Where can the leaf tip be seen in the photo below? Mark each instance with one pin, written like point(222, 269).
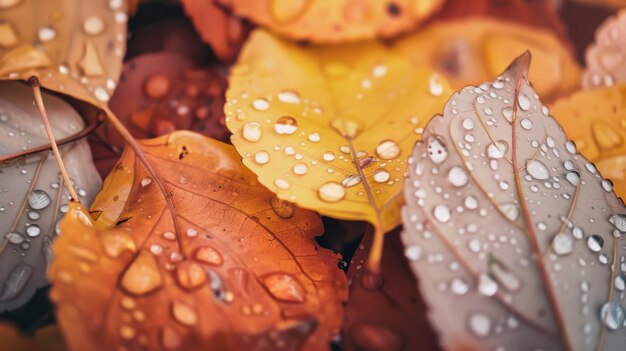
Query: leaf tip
point(521, 64)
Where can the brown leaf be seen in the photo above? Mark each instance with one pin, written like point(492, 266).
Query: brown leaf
point(238, 269)
point(219, 28)
point(158, 94)
point(45, 339)
point(516, 238)
point(386, 313)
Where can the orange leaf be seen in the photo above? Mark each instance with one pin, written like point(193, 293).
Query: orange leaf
point(45, 339)
point(596, 121)
point(331, 21)
point(237, 269)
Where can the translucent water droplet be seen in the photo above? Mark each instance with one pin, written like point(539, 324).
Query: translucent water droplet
point(33, 230)
point(459, 287)
point(618, 221)
point(607, 185)
point(143, 275)
point(33, 215)
point(470, 202)
point(523, 101)
point(331, 192)
point(442, 213)
point(261, 104)
point(190, 275)
point(479, 324)
point(289, 97)
point(563, 244)
point(612, 315)
point(351, 180)
point(497, 149)
point(116, 242)
point(39, 199)
point(388, 150)
point(93, 25)
point(314, 137)
point(16, 281)
point(282, 184)
point(468, 124)
point(573, 178)
point(435, 86)
point(526, 124)
point(620, 283)
point(507, 112)
point(379, 71)
point(101, 94)
point(46, 34)
point(578, 232)
point(146, 181)
point(284, 287)
point(510, 210)
point(381, 175)
point(570, 147)
point(437, 151)
point(300, 168)
point(366, 161)
point(15, 238)
point(328, 156)
point(537, 169)
point(184, 314)
point(486, 285)
point(413, 252)
point(505, 277)
point(457, 176)
point(252, 132)
point(595, 243)
point(262, 157)
point(284, 209)
point(286, 125)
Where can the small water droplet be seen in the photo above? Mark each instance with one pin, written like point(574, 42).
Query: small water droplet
point(388, 150)
point(563, 244)
point(143, 275)
point(459, 286)
point(523, 101)
point(184, 313)
point(46, 33)
point(284, 287)
point(286, 125)
point(289, 97)
point(618, 221)
point(15, 238)
point(381, 176)
point(437, 151)
point(33, 230)
point(595, 243)
point(300, 168)
point(34, 215)
point(282, 184)
point(262, 157)
point(479, 324)
point(252, 132)
point(442, 213)
point(39, 199)
point(573, 178)
point(526, 124)
point(328, 156)
point(457, 176)
point(93, 25)
point(486, 285)
point(190, 275)
point(146, 181)
point(351, 180)
point(537, 169)
point(284, 209)
point(261, 104)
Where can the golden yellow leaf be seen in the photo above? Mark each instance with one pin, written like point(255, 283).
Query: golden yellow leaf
point(329, 128)
point(237, 269)
point(596, 121)
point(332, 21)
point(472, 51)
point(75, 47)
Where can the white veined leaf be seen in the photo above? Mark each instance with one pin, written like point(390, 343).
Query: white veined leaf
point(516, 238)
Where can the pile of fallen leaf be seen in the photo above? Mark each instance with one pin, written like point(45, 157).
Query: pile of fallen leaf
point(312, 175)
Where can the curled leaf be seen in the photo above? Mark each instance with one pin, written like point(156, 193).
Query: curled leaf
point(471, 51)
point(335, 141)
point(606, 57)
point(516, 238)
point(233, 268)
point(33, 194)
point(330, 21)
point(594, 120)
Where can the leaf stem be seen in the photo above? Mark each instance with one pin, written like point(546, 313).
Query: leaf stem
point(34, 82)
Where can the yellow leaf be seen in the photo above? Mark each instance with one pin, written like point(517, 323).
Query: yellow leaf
point(596, 121)
point(472, 51)
point(227, 267)
point(332, 21)
point(329, 128)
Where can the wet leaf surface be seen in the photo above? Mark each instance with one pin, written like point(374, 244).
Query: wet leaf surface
point(516, 238)
point(336, 141)
point(605, 58)
point(237, 268)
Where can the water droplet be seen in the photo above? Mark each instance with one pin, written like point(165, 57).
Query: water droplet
point(289, 97)
point(442, 213)
point(93, 25)
point(261, 104)
point(570, 147)
point(284, 209)
point(331, 192)
point(282, 184)
point(537, 169)
point(437, 151)
point(209, 255)
point(503, 275)
point(262, 157)
point(388, 150)
point(146, 181)
point(486, 285)
point(116, 241)
point(33, 230)
point(413, 252)
point(314, 137)
point(252, 132)
point(284, 287)
point(523, 101)
point(39, 199)
point(328, 156)
point(459, 287)
point(612, 315)
point(190, 275)
point(618, 221)
point(300, 168)
point(578, 233)
point(15, 238)
point(620, 283)
point(101, 94)
point(507, 112)
point(127, 333)
point(563, 244)
point(143, 275)
point(526, 124)
point(381, 176)
point(479, 324)
point(379, 71)
point(435, 86)
point(184, 314)
point(573, 178)
point(286, 125)
point(46, 33)
point(33, 215)
point(457, 176)
point(468, 124)
point(595, 243)
point(351, 180)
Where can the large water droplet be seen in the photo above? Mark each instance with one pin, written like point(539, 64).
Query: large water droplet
point(437, 151)
point(289, 97)
point(523, 101)
point(143, 275)
point(563, 244)
point(286, 125)
point(39, 199)
point(497, 149)
point(331, 192)
point(252, 132)
point(207, 254)
point(262, 157)
point(537, 169)
point(351, 180)
point(388, 149)
point(381, 175)
point(619, 221)
point(612, 315)
point(595, 243)
point(573, 178)
point(486, 285)
point(33, 230)
point(479, 324)
point(190, 275)
point(457, 176)
point(15, 238)
point(284, 287)
point(442, 213)
point(184, 314)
